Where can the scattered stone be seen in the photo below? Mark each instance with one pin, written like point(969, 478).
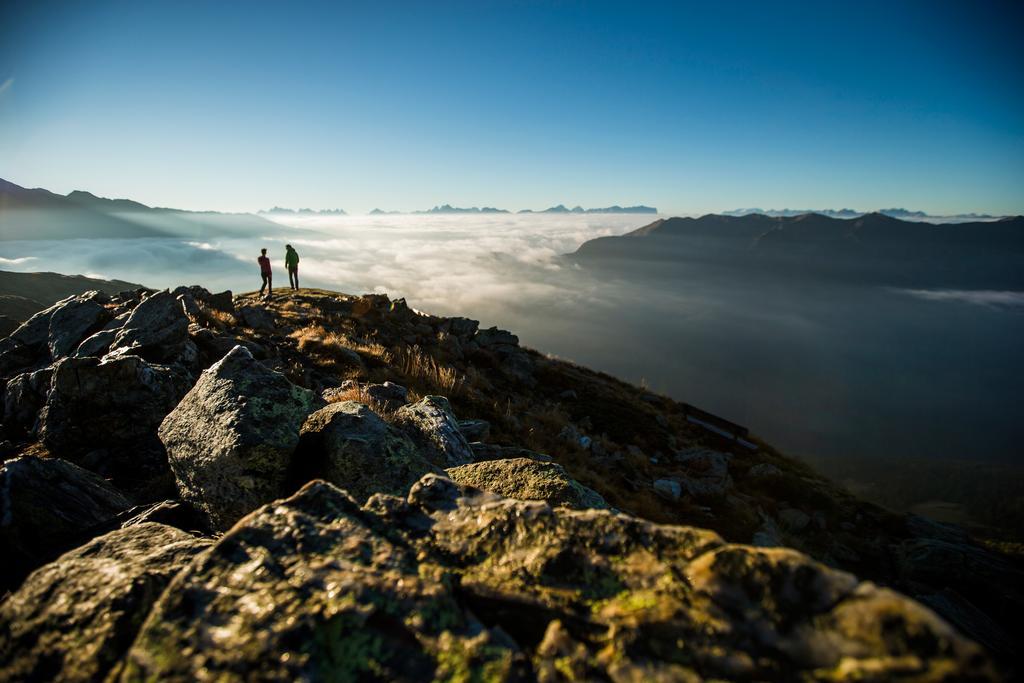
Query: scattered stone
point(71, 322)
point(490, 451)
point(475, 430)
point(492, 338)
point(231, 438)
point(668, 488)
point(257, 317)
point(435, 431)
point(526, 479)
point(764, 470)
point(46, 507)
point(707, 473)
point(75, 618)
point(389, 395)
point(347, 444)
point(568, 395)
point(794, 520)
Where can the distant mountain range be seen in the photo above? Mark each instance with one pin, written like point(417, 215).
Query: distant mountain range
point(24, 294)
point(872, 249)
point(37, 214)
point(281, 211)
point(561, 208)
point(905, 214)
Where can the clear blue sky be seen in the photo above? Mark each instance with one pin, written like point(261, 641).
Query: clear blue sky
point(692, 108)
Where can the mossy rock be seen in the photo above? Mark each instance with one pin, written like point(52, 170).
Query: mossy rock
point(526, 479)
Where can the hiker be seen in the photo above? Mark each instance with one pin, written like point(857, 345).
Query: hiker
point(266, 273)
point(291, 262)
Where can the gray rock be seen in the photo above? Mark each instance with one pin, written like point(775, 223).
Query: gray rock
point(231, 438)
point(707, 473)
point(389, 395)
point(46, 507)
point(668, 488)
point(347, 444)
point(463, 328)
point(156, 330)
point(435, 431)
point(115, 404)
point(527, 479)
point(71, 322)
point(256, 317)
point(78, 615)
point(794, 520)
point(493, 338)
point(764, 470)
point(475, 430)
point(24, 397)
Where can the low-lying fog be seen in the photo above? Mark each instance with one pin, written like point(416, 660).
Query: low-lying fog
point(823, 370)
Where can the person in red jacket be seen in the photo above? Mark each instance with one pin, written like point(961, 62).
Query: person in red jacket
point(266, 273)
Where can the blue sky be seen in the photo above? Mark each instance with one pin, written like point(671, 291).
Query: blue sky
point(692, 108)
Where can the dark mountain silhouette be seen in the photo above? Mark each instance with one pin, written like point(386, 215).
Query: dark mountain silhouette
point(38, 214)
point(873, 249)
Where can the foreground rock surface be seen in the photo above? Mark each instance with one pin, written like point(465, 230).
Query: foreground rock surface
point(527, 479)
point(447, 584)
point(432, 425)
point(74, 618)
point(231, 439)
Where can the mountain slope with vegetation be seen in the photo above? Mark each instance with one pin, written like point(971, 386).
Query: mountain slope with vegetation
point(338, 487)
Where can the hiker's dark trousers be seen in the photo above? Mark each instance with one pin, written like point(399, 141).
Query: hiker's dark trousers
point(293, 276)
point(267, 284)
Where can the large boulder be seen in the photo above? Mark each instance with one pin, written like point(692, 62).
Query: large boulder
point(231, 439)
point(156, 330)
point(104, 414)
point(347, 444)
point(75, 618)
point(447, 584)
point(433, 427)
point(527, 479)
point(48, 505)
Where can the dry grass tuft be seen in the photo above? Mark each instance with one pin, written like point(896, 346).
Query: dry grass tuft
point(414, 363)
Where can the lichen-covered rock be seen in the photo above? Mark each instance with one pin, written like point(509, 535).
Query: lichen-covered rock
point(231, 439)
point(156, 330)
point(52, 333)
point(74, 618)
point(526, 479)
point(450, 584)
point(433, 427)
point(98, 344)
point(492, 451)
point(47, 506)
point(112, 406)
point(347, 444)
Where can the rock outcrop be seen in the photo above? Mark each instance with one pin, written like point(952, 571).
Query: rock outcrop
point(231, 439)
point(447, 585)
point(156, 330)
point(75, 618)
point(46, 507)
point(527, 479)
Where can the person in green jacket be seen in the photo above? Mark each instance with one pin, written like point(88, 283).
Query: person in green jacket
point(291, 262)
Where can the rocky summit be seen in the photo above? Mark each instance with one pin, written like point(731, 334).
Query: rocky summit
point(201, 486)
